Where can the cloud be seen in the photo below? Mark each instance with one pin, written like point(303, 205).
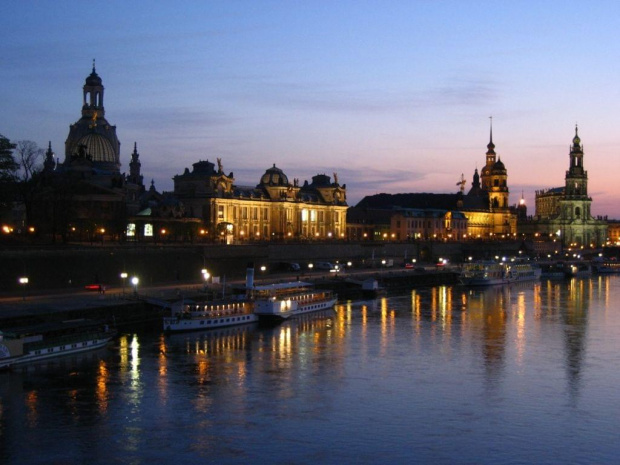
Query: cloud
point(341, 99)
point(173, 118)
point(463, 93)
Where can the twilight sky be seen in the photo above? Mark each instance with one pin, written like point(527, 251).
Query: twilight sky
point(393, 96)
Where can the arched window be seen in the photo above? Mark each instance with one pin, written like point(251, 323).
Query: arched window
point(577, 212)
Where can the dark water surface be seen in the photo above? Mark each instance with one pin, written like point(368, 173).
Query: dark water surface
point(521, 374)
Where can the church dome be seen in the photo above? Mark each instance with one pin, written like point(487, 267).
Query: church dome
point(274, 177)
point(499, 166)
point(93, 79)
point(98, 147)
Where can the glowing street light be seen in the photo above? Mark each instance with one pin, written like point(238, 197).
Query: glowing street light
point(123, 278)
point(205, 277)
point(135, 281)
point(24, 282)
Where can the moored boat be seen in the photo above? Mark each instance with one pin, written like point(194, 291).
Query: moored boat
point(520, 272)
point(606, 266)
point(212, 314)
point(285, 300)
point(483, 273)
point(34, 343)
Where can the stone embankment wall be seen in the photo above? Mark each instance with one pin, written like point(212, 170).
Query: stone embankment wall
point(70, 267)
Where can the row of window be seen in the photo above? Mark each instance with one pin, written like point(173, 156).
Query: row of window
point(224, 320)
point(51, 350)
point(431, 224)
point(242, 212)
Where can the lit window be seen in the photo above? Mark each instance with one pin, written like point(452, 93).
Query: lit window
point(131, 230)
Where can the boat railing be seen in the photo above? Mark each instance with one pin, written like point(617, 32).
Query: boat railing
point(69, 339)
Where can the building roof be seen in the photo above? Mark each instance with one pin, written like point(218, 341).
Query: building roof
point(413, 200)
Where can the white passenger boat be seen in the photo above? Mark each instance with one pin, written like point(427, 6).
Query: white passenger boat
point(483, 273)
point(212, 314)
point(286, 300)
point(606, 266)
point(520, 272)
point(34, 343)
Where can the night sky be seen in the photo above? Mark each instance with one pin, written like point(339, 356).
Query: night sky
point(393, 96)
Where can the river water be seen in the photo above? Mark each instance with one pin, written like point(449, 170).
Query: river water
point(528, 373)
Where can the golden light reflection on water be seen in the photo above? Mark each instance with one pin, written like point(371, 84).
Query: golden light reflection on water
point(129, 368)
point(32, 415)
point(488, 320)
point(520, 339)
point(102, 381)
point(387, 324)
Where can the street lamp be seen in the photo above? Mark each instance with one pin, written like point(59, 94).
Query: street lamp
point(135, 280)
point(24, 282)
point(124, 278)
point(205, 276)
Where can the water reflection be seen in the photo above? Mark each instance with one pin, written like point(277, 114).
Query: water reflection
point(442, 357)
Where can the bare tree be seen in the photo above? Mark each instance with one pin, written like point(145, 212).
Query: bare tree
point(8, 168)
point(29, 156)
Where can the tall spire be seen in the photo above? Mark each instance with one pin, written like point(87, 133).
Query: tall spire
point(576, 139)
point(49, 164)
point(134, 166)
point(491, 145)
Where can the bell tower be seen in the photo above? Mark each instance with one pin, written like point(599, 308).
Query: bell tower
point(485, 178)
point(576, 176)
point(92, 138)
point(575, 205)
point(93, 96)
point(134, 166)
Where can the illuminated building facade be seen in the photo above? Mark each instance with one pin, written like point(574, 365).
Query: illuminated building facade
point(274, 209)
point(564, 212)
point(481, 213)
point(428, 224)
point(486, 205)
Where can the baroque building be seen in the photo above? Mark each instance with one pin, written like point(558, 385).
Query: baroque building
point(274, 209)
point(86, 196)
point(486, 205)
point(481, 213)
point(564, 212)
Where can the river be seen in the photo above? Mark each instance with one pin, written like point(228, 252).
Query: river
point(526, 373)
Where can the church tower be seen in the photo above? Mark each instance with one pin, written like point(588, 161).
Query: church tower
point(92, 138)
point(494, 178)
point(134, 167)
point(576, 176)
point(49, 164)
point(576, 203)
point(564, 212)
point(490, 161)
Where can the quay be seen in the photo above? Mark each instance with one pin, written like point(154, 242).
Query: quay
point(126, 308)
point(169, 274)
